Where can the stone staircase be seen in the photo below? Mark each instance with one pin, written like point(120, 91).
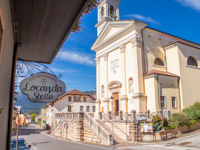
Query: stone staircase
point(58, 132)
point(121, 129)
point(116, 135)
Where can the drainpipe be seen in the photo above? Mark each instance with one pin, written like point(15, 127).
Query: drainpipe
point(12, 90)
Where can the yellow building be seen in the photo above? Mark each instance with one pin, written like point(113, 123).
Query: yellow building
point(143, 68)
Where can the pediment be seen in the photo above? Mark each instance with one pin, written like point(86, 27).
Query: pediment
point(111, 30)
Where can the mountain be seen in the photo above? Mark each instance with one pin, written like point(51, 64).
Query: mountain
point(90, 92)
point(26, 105)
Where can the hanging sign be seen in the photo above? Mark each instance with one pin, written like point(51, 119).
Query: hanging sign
point(42, 88)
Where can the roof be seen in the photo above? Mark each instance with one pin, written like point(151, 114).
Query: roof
point(42, 26)
point(160, 73)
point(74, 92)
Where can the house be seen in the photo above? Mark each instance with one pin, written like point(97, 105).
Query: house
point(30, 31)
point(142, 68)
point(74, 101)
point(27, 119)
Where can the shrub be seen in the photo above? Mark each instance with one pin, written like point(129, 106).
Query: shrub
point(157, 123)
point(179, 119)
point(193, 112)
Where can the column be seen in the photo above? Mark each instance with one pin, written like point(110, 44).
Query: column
point(139, 95)
point(123, 72)
point(98, 106)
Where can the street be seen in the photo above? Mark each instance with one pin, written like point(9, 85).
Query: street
point(40, 141)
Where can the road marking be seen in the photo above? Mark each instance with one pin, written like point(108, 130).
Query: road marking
point(34, 148)
point(77, 142)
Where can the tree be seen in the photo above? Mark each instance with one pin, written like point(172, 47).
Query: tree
point(33, 116)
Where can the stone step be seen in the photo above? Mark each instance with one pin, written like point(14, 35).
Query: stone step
point(117, 139)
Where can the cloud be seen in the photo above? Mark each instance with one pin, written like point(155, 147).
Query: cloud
point(142, 18)
point(77, 57)
point(63, 70)
point(193, 4)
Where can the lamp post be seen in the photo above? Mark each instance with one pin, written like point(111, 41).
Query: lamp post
point(111, 101)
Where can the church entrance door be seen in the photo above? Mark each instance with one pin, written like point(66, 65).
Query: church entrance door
point(115, 103)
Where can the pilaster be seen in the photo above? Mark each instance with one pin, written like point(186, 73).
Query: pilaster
point(123, 67)
point(138, 74)
point(98, 81)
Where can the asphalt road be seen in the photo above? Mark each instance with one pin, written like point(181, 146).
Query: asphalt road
point(40, 141)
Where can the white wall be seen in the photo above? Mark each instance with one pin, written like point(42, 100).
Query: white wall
point(6, 57)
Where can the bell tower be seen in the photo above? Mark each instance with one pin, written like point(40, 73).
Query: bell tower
point(107, 10)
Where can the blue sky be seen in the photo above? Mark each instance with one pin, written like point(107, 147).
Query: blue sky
point(76, 62)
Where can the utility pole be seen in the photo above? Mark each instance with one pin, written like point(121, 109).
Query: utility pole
point(111, 100)
point(17, 134)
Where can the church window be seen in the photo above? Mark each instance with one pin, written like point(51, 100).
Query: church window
point(192, 61)
point(159, 62)
point(102, 11)
point(112, 10)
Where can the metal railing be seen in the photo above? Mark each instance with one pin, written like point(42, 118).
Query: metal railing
point(116, 127)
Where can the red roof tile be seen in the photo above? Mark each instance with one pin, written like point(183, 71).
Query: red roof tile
point(74, 92)
point(160, 73)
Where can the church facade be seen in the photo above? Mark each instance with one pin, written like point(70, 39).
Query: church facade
point(142, 68)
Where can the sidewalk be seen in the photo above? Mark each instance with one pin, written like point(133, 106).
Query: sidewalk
point(170, 141)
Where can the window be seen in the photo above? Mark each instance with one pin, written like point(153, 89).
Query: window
point(77, 98)
point(88, 109)
point(94, 108)
point(84, 99)
point(1, 32)
point(174, 102)
point(162, 102)
point(81, 108)
point(158, 62)
point(69, 99)
point(192, 61)
point(111, 10)
point(102, 11)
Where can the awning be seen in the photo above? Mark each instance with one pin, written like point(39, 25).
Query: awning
point(42, 26)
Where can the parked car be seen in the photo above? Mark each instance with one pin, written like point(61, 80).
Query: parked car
point(22, 144)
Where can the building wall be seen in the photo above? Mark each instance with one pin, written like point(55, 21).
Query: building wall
point(6, 59)
point(61, 106)
point(177, 56)
point(190, 76)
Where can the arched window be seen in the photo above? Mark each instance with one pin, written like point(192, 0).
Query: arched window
point(192, 61)
point(159, 62)
point(102, 11)
point(112, 10)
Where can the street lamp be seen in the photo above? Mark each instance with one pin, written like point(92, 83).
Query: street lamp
point(111, 101)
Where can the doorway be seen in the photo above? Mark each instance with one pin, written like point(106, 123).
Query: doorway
point(115, 103)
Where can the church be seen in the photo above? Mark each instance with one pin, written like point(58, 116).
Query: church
point(142, 68)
